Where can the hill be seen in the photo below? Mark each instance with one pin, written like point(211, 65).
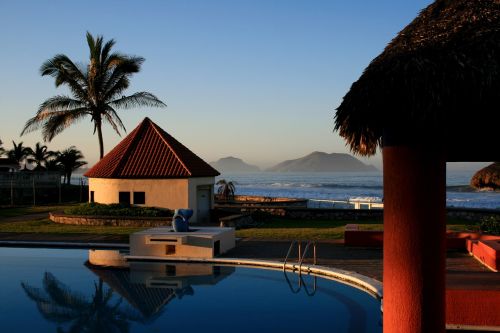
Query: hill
point(323, 162)
point(487, 178)
point(233, 164)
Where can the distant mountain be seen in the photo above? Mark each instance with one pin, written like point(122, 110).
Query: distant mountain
point(233, 164)
point(487, 178)
point(323, 162)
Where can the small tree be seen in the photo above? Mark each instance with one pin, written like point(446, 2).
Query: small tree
point(53, 164)
point(39, 156)
point(19, 153)
point(70, 159)
point(225, 190)
point(2, 150)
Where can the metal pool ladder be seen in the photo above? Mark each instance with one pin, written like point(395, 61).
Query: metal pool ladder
point(301, 255)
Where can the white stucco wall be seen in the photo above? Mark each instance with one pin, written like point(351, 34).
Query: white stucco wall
point(165, 193)
point(194, 185)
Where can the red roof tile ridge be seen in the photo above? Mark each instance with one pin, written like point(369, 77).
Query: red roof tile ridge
point(129, 147)
point(125, 148)
point(160, 133)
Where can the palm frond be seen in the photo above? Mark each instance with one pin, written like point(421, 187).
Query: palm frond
point(119, 68)
point(56, 313)
point(60, 103)
point(61, 295)
point(59, 121)
point(115, 86)
point(112, 117)
point(95, 45)
point(142, 98)
point(65, 72)
point(106, 50)
point(44, 303)
point(52, 108)
point(35, 294)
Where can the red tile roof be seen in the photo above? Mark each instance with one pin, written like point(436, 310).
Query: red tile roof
point(150, 152)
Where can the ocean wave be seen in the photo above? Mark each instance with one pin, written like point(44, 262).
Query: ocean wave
point(458, 200)
point(312, 185)
point(351, 187)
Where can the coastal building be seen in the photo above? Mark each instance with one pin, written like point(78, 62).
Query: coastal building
point(8, 165)
point(151, 168)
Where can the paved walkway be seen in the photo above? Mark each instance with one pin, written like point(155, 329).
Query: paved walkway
point(71, 238)
point(27, 217)
point(463, 271)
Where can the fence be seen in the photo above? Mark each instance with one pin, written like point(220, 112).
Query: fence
point(35, 187)
point(345, 204)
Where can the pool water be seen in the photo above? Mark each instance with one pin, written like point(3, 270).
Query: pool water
point(53, 290)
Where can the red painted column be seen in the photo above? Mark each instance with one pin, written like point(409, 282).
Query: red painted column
point(414, 239)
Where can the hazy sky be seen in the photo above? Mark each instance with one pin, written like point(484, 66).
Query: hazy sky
point(259, 80)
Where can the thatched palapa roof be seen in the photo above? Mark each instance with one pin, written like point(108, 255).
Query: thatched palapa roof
point(438, 80)
point(487, 178)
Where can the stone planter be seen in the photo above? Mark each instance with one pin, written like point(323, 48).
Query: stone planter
point(117, 221)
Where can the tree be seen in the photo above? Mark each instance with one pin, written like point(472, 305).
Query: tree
point(96, 89)
point(2, 150)
point(59, 304)
point(19, 152)
point(39, 156)
point(53, 164)
point(70, 159)
point(225, 190)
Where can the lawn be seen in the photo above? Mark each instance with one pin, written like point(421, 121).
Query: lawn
point(310, 229)
point(49, 227)
point(26, 210)
point(28, 224)
point(320, 229)
point(275, 228)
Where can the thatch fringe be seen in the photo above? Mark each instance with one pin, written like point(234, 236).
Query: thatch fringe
point(440, 77)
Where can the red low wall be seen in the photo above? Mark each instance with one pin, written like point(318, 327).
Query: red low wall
point(465, 309)
point(372, 238)
point(487, 251)
point(475, 308)
point(365, 238)
point(486, 248)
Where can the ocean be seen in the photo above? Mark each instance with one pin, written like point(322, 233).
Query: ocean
point(344, 186)
point(350, 186)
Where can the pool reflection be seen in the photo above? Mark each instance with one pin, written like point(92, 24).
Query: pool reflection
point(57, 303)
point(149, 296)
point(146, 287)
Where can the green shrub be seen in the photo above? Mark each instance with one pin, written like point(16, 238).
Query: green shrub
point(97, 209)
point(490, 225)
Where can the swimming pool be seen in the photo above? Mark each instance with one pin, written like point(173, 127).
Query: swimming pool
point(53, 290)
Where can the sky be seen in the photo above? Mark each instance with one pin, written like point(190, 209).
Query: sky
point(259, 80)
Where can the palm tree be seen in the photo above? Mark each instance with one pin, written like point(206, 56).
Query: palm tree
point(59, 304)
point(97, 91)
point(52, 164)
point(226, 189)
point(39, 156)
point(70, 159)
point(19, 152)
point(2, 150)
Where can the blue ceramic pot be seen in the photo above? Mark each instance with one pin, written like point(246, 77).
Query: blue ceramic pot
point(179, 224)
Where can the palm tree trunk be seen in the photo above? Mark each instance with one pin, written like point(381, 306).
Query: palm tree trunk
point(99, 135)
point(68, 178)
